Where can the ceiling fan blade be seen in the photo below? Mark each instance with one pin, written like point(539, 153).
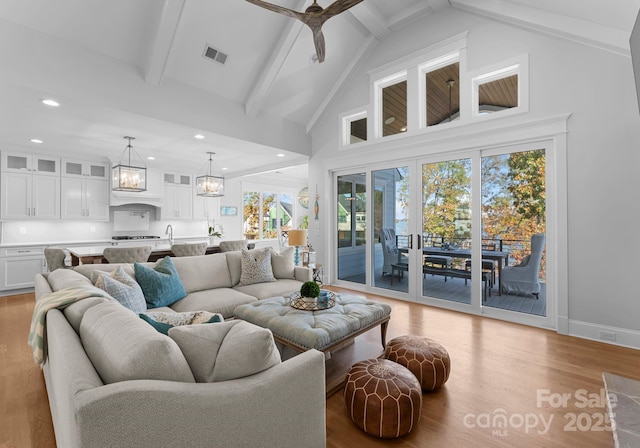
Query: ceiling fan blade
point(278, 9)
point(338, 6)
point(318, 40)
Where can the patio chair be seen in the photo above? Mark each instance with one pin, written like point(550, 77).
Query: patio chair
point(393, 260)
point(55, 257)
point(523, 277)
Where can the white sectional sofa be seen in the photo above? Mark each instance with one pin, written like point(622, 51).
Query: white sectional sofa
point(114, 381)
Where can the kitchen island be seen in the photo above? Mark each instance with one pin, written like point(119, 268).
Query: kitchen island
point(93, 254)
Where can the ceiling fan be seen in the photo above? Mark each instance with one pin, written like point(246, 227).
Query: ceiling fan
point(314, 17)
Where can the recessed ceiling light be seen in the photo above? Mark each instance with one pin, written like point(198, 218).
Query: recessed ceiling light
point(280, 154)
point(199, 136)
point(50, 102)
point(225, 168)
point(35, 140)
point(389, 120)
point(151, 158)
point(403, 129)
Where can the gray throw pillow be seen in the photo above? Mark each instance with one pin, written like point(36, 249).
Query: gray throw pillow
point(256, 267)
point(227, 350)
point(119, 285)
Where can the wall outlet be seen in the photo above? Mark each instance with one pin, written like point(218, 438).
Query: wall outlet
point(607, 335)
point(93, 229)
point(23, 230)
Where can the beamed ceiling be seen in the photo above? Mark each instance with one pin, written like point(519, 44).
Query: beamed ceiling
point(123, 67)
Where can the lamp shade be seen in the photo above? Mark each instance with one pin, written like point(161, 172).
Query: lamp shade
point(297, 237)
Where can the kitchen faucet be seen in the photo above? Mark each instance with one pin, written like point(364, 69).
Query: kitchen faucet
point(169, 231)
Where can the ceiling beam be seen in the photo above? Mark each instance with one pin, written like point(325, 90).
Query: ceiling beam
point(161, 47)
point(558, 25)
point(365, 49)
point(371, 19)
point(278, 56)
point(406, 15)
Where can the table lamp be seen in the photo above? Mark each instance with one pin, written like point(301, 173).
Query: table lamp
point(297, 238)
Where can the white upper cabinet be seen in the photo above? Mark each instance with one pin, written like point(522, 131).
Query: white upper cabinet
point(172, 178)
point(85, 169)
point(30, 163)
point(29, 196)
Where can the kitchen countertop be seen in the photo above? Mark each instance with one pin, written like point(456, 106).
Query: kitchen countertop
point(107, 241)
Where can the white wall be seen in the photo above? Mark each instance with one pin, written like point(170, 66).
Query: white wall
point(598, 89)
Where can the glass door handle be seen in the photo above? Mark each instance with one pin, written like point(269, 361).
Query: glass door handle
point(410, 244)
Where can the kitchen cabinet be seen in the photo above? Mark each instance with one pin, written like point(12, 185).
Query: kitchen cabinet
point(19, 265)
point(84, 169)
point(205, 208)
point(178, 196)
point(30, 163)
point(86, 199)
point(30, 186)
point(29, 196)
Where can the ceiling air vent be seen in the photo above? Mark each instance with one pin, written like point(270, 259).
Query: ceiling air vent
point(215, 55)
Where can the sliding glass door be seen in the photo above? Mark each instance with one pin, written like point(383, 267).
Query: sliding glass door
point(351, 227)
point(446, 230)
point(391, 232)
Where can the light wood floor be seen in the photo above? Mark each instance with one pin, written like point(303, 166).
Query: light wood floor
point(498, 368)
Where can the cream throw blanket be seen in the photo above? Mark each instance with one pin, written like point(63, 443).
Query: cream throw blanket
point(59, 299)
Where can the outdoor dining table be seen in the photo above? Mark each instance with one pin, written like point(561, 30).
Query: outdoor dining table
point(494, 255)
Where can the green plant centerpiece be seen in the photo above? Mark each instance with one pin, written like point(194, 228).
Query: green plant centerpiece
point(214, 232)
point(310, 290)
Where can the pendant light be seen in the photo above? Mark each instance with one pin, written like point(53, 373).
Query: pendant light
point(209, 185)
point(128, 177)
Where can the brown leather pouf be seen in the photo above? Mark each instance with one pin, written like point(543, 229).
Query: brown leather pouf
point(427, 360)
point(383, 398)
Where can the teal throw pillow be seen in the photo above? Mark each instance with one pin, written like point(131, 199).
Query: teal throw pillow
point(163, 322)
point(161, 285)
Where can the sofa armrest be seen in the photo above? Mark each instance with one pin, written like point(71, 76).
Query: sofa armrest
point(283, 406)
point(303, 274)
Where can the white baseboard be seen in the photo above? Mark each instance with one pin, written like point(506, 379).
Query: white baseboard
point(602, 333)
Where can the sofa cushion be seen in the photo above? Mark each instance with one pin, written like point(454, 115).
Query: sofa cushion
point(227, 350)
point(256, 267)
point(122, 347)
point(220, 300)
point(66, 278)
point(76, 310)
point(163, 322)
point(282, 263)
point(161, 285)
point(203, 272)
point(123, 288)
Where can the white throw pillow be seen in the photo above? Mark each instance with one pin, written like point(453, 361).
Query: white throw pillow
point(282, 263)
point(226, 350)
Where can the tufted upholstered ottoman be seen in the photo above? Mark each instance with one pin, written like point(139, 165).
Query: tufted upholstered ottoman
point(383, 398)
point(424, 357)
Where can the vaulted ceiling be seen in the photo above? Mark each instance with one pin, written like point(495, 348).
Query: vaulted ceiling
point(123, 67)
